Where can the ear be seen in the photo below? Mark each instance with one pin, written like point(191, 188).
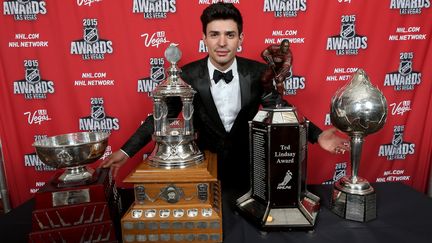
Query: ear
point(241, 37)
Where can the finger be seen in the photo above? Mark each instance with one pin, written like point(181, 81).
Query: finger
point(115, 170)
point(107, 163)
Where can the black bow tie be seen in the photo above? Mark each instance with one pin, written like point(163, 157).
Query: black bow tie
point(218, 75)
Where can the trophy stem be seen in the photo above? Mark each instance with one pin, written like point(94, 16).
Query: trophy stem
point(356, 151)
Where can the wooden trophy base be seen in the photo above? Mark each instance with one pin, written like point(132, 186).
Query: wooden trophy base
point(84, 213)
point(175, 205)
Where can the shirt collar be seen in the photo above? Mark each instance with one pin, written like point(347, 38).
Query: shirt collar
point(211, 68)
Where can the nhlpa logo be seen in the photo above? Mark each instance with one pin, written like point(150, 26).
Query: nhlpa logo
point(154, 9)
point(405, 78)
point(286, 180)
point(98, 120)
point(24, 9)
point(33, 86)
point(284, 8)
point(409, 7)
point(340, 171)
point(157, 75)
point(91, 47)
point(293, 83)
point(398, 149)
point(348, 42)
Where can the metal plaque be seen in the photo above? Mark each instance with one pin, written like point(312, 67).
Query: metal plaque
point(70, 197)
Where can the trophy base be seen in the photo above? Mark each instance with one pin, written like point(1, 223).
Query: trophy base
point(87, 213)
point(354, 204)
point(175, 205)
point(301, 217)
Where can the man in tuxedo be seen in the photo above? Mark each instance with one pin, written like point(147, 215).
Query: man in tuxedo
point(229, 93)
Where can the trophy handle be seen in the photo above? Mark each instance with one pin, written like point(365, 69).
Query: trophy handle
point(356, 150)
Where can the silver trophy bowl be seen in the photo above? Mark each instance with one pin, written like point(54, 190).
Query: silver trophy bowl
point(72, 152)
point(358, 109)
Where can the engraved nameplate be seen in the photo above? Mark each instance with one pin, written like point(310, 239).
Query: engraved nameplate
point(71, 197)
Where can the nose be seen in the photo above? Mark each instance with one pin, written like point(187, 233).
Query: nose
point(222, 40)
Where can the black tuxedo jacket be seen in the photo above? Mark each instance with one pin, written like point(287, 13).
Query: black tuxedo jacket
point(231, 147)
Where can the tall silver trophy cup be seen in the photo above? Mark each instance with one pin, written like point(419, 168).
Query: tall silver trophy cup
point(357, 109)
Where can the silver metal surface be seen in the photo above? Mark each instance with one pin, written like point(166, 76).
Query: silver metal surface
point(72, 151)
point(357, 109)
point(70, 197)
point(175, 138)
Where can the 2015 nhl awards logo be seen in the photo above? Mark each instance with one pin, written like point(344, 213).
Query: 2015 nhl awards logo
point(24, 9)
point(154, 9)
point(98, 120)
point(340, 171)
point(284, 8)
point(91, 47)
point(32, 160)
point(293, 83)
point(348, 42)
point(33, 86)
point(398, 149)
point(157, 75)
point(409, 6)
point(405, 78)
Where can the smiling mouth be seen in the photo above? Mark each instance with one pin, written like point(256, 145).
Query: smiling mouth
point(222, 53)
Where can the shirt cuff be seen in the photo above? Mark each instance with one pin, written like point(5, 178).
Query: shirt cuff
point(125, 153)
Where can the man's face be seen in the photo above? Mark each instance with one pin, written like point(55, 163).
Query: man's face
point(285, 47)
point(222, 40)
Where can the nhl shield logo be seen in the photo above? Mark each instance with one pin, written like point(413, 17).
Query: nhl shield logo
point(405, 67)
point(157, 73)
point(347, 30)
point(338, 174)
point(32, 75)
point(290, 73)
point(397, 139)
point(98, 112)
point(90, 35)
point(23, 1)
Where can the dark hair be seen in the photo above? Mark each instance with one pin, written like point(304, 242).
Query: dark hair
point(224, 11)
point(285, 41)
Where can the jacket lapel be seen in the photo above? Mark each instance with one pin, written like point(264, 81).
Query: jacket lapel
point(203, 88)
point(245, 83)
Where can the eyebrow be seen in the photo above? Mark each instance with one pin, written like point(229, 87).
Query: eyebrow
point(226, 32)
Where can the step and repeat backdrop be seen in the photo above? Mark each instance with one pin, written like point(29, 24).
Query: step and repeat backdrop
point(90, 65)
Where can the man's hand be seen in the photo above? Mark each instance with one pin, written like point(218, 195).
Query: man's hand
point(115, 161)
point(328, 140)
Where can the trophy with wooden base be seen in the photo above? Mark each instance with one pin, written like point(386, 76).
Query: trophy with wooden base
point(278, 198)
point(177, 194)
point(357, 109)
point(79, 204)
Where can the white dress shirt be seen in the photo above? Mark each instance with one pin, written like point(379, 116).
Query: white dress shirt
point(227, 97)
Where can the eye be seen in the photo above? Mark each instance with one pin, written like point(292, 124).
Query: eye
point(231, 35)
point(213, 34)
